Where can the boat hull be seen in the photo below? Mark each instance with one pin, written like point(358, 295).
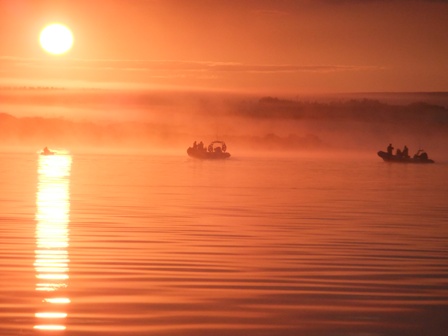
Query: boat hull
point(393, 158)
point(205, 155)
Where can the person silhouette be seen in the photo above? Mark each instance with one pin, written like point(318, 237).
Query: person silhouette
point(390, 149)
point(405, 152)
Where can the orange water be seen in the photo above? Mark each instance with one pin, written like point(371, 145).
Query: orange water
point(141, 245)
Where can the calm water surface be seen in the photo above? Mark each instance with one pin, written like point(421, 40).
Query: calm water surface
point(142, 245)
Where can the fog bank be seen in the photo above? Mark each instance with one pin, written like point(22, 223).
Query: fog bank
point(170, 121)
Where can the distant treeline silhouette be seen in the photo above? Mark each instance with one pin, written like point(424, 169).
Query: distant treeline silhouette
point(354, 110)
point(267, 123)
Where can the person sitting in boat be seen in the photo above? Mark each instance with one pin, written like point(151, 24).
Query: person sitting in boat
point(195, 145)
point(46, 150)
point(398, 154)
point(210, 148)
point(421, 154)
point(390, 149)
point(405, 152)
point(201, 146)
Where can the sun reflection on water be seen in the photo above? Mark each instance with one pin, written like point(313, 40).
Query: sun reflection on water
point(52, 240)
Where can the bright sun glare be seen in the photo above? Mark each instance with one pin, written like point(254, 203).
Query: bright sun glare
point(56, 39)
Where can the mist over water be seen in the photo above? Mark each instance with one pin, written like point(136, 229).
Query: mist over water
point(158, 122)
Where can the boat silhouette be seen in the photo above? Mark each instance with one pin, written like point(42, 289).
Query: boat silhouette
point(216, 150)
point(420, 157)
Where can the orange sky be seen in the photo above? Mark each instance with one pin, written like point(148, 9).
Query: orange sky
point(234, 45)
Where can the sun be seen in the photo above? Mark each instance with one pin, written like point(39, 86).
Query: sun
point(56, 39)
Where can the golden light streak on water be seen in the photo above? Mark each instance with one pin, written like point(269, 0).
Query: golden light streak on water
point(51, 315)
point(52, 238)
point(54, 327)
point(57, 300)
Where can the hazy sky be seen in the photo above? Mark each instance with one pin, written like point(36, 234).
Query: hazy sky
point(233, 45)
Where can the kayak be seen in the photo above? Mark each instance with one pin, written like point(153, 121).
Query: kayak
point(47, 153)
